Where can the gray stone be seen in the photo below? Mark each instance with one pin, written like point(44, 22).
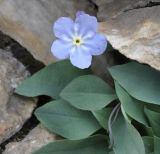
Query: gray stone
point(30, 22)
point(14, 109)
point(136, 34)
point(37, 138)
point(112, 8)
point(100, 65)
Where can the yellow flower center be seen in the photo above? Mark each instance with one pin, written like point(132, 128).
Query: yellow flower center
point(77, 41)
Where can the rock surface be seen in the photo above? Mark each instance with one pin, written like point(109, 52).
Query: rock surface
point(37, 138)
point(30, 22)
point(136, 34)
point(14, 110)
point(111, 8)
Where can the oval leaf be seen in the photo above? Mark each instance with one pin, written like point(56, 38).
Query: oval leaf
point(148, 143)
point(62, 118)
point(156, 145)
point(154, 120)
point(50, 80)
point(140, 81)
point(91, 145)
point(102, 116)
point(127, 140)
point(134, 108)
point(88, 92)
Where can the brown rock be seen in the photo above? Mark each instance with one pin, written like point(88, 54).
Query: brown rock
point(14, 110)
point(37, 138)
point(30, 22)
point(136, 34)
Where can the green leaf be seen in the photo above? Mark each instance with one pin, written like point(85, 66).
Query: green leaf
point(62, 118)
point(156, 145)
point(88, 92)
point(126, 116)
point(149, 131)
point(127, 140)
point(112, 152)
point(92, 145)
point(154, 120)
point(102, 116)
point(148, 143)
point(144, 130)
point(50, 80)
point(140, 81)
point(134, 108)
point(153, 107)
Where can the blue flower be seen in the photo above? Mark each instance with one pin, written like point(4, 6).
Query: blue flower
point(78, 40)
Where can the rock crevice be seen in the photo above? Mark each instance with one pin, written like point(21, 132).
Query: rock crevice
point(149, 4)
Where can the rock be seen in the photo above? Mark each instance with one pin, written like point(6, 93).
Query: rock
point(100, 65)
point(14, 109)
point(30, 22)
point(112, 8)
point(37, 138)
point(136, 34)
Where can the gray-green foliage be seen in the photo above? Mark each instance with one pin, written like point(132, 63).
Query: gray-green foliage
point(91, 145)
point(88, 93)
point(140, 81)
point(84, 103)
point(132, 107)
point(61, 118)
point(127, 140)
point(50, 80)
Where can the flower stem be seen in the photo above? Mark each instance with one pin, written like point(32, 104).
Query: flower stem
point(111, 120)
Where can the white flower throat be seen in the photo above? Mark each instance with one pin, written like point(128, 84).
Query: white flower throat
point(77, 41)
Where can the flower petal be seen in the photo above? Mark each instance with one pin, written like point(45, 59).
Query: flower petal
point(97, 44)
point(87, 23)
point(80, 57)
point(64, 28)
point(79, 13)
point(60, 49)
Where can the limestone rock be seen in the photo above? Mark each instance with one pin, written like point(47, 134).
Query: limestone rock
point(30, 22)
point(37, 138)
point(111, 8)
point(14, 110)
point(136, 34)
